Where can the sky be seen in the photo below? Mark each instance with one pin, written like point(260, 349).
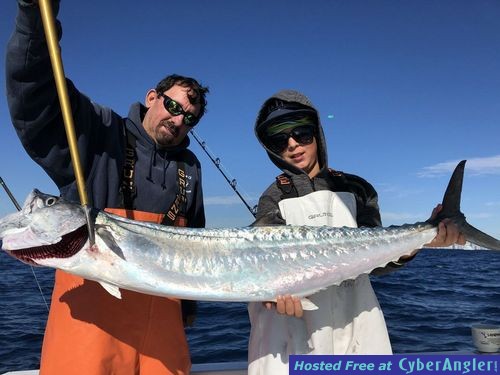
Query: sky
point(405, 89)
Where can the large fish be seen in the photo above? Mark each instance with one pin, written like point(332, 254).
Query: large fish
point(254, 263)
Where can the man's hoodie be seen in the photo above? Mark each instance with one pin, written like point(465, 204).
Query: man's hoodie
point(101, 135)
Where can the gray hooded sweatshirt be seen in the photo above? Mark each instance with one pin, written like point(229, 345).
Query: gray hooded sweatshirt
point(349, 319)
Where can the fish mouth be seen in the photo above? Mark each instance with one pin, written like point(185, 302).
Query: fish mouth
point(70, 244)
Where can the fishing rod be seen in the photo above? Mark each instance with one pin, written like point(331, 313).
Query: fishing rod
point(220, 167)
point(14, 201)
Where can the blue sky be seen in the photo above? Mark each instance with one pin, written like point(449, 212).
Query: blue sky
point(405, 89)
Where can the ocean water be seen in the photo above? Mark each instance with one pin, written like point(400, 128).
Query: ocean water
point(429, 306)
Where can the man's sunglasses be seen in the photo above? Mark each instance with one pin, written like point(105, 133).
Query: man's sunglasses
point(175, 109)
point(303, 135)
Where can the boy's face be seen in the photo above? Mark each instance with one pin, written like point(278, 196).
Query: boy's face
point(294, 139)
point(303, 156)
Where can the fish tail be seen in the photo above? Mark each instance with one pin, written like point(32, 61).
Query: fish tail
point(451, 210)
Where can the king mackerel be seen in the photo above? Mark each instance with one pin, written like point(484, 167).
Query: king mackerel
point(255, 263)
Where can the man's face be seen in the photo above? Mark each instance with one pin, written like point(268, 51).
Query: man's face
point(164, 128)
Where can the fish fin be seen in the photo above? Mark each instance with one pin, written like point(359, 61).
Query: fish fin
point(451, 210)
point(480, 238)
point(452, 196)
point(108, 239)
point(111, 289)
point(308, 305)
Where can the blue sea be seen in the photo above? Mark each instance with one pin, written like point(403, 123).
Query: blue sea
point(429, 306)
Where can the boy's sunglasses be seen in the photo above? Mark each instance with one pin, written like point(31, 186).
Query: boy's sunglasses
point(175, 109)
point(303, 135)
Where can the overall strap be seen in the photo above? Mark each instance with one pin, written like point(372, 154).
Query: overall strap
point(176, 214)
point(286, 186)
point(128, 190)
point(335, 173)
point(339, 180)
point(288, 189)
point(150, 217)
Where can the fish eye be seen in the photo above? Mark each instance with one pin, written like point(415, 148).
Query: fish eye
point(50, 201)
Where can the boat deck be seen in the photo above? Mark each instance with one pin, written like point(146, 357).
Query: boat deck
point(225, 368)
point(230, 368)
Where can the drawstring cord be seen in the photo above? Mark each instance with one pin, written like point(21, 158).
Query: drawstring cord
point(165, 167)
point(152, 163)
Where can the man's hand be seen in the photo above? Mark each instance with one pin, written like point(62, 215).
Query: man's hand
point(448, 232)
point(288, 305)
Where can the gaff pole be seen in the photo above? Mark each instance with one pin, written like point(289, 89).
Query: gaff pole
point(62, 91)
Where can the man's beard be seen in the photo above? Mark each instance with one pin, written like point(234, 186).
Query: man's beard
point(168, 138)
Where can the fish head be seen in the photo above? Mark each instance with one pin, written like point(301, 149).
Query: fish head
point(46, 227)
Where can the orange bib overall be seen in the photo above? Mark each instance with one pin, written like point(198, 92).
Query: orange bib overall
point(90, 332)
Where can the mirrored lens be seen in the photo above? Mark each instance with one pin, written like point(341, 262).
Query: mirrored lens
point(175, 109)
point(190, 119)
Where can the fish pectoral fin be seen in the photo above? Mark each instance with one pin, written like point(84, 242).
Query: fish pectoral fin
point(111, 289)
point(308, 305)
point(108, 239)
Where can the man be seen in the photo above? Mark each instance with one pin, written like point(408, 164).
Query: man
point(349, 319)
point(138, 167)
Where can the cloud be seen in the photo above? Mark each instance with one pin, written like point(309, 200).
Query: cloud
point(397, 192)
point(480, 215)
point(401, 217)
point(474, 166)
point(227, 200)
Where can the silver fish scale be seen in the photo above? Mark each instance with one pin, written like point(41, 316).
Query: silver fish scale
point(241, 264)
point(245, 264)
point(280, 257)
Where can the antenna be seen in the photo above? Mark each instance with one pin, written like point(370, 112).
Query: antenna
point(232, 182)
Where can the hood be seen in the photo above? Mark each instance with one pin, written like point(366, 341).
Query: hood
point(159, 157)
point(299, 103)
point(134, 125)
